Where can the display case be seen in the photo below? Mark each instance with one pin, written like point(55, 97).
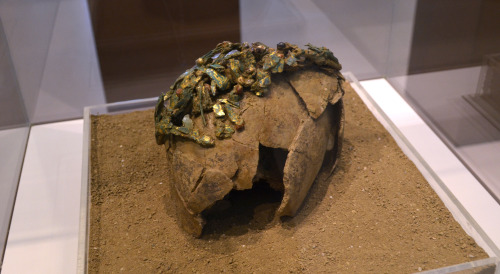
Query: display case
point(56, 57)
point(448, 198)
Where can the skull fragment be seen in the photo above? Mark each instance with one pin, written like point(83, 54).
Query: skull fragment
point(223, 118)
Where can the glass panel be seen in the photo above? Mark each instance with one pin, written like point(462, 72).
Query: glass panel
point(14, 132)
point(442, 78)
point(48, 72)
point(342, 26)
point(432, 54)
point(53, 53)
point(28, 29)
point(71, 78)
point(490, 265)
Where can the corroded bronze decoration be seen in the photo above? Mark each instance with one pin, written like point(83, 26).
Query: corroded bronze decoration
point(255, 114)
point(233, 68)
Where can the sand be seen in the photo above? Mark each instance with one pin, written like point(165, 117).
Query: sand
point(376, 213)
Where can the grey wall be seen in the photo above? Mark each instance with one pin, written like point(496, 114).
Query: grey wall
point(28, 26)
point(53, 53)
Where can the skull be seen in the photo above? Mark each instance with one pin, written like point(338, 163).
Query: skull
point(302, 114)
point(291, 133)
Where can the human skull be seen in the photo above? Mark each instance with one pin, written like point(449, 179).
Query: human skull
point(301, 114)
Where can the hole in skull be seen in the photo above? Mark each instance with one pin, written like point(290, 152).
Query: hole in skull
point(242, 210)
point(271, 166)
point(252, 209)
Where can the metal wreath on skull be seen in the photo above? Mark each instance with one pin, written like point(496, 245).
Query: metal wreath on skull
point(238, 100)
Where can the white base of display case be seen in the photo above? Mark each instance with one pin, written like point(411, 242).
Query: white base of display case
point(43, 236)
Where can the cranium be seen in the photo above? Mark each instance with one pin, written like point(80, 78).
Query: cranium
point(300, 117)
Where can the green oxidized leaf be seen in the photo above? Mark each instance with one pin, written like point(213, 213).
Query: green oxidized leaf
point(218, 71)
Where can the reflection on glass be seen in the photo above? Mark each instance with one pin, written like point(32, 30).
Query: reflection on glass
point(449, 41)
point(145, 45)
point(13, 136)
point(486, 100)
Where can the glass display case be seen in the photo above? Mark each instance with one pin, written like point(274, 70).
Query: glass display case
point(452, 203)
point(57, 57)
point(433, 56)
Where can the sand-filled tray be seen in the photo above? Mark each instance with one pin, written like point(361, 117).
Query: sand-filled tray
point(376, 213)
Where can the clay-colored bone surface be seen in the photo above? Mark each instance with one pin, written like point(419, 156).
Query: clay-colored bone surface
point(302, 113)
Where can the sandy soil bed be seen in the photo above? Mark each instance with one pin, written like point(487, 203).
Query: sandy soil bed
point(375, 214)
